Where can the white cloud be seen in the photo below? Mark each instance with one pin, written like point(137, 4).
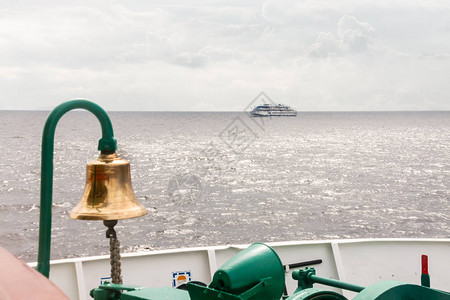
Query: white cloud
point(316, 55)
point(354, 33)
point(326, 44)
point(353, 36)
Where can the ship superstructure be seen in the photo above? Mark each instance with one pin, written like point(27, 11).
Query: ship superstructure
point(269, 110)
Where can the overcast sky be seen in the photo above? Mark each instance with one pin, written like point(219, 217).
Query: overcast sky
point(219, 55)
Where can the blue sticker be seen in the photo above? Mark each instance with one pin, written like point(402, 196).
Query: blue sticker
point(109, 279)
point(181, 277)
point(103, 279)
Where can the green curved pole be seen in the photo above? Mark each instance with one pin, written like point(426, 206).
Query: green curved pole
point(106, 144)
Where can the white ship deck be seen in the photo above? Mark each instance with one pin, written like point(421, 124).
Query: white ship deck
point(360, 261)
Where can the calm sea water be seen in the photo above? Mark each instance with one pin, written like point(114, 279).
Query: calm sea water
point(220, 178)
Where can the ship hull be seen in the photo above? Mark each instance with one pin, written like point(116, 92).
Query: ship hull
point(359, 261)
point(274, 114)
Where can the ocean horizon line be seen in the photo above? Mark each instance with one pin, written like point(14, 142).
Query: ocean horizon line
point(235, 111)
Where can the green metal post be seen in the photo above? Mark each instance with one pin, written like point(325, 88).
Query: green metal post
point(307, 277)
point(336, 283)
point(106, 144)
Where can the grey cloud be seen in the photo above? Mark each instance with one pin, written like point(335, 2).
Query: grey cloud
point(113, 50)
point(151, 47)
point(194, 60)
point(352, 36)
point(326, 44)
point(211, 55)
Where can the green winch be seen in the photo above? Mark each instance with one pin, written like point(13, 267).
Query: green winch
point(257, 273)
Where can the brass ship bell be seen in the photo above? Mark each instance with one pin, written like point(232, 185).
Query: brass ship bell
point(108, 194)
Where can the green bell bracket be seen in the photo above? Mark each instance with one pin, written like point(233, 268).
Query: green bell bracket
point(107, 144)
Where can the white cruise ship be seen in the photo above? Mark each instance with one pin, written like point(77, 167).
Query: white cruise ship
point(268, 110)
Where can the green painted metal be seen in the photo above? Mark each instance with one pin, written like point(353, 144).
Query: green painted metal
point(386, 290)
point(303, 281)
point(256, 270)
point(316, 294)
point(257, 273)
point(110, 291)
point(383, 290)
point(106, 144)
point(199, 292)
point(307, 277)
point(259, 291)
point(425, 280)
point(163, 293)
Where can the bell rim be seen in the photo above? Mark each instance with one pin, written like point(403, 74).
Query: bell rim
point(99, 217)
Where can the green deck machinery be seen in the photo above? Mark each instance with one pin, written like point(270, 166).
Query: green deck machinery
point(257, 273)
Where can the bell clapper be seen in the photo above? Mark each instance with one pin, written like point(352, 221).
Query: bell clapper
point(114, 248)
